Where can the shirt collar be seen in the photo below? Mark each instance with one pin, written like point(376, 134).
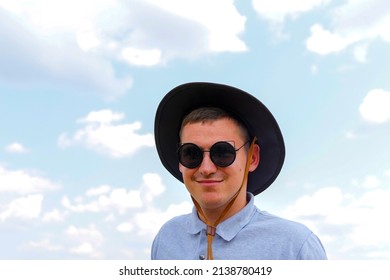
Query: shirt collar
point(229, 228)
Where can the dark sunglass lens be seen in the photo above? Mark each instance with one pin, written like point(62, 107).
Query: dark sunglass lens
point(190, 155)
point(222, 154)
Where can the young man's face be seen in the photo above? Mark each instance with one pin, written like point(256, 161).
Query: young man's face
point(210, 185)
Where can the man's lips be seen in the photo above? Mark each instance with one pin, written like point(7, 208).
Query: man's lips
point(208, 182)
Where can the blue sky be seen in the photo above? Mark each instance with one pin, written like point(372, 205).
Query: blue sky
point(80, 82)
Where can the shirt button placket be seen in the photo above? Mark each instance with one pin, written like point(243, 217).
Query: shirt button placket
point(202, 245)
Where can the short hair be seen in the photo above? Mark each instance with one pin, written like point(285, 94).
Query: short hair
point(209, 114)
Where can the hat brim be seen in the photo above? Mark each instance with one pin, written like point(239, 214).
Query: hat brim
point(181, 100)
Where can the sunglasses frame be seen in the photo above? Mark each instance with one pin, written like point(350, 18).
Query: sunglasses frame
point(200, 151)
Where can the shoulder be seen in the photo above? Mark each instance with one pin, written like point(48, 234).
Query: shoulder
point(176, 226)
point(181, 221)
point(292, 235)
point(170, 237)
point(279, 224)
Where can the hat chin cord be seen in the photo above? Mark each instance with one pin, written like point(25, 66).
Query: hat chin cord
point(212, 228)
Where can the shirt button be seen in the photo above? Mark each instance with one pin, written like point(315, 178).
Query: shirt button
point(202, 257)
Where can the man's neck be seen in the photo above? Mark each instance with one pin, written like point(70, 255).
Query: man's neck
point(212, 215)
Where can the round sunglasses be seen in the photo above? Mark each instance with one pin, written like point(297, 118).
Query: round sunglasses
point(222, 154)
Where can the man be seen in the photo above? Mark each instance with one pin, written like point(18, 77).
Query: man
point(226, 147)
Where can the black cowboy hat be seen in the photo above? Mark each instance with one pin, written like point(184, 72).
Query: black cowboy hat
point(259, 121)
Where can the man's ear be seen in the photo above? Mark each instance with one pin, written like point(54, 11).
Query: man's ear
point(180, 168)
point(255, 160)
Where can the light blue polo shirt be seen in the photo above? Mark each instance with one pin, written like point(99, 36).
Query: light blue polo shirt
point(250, 234)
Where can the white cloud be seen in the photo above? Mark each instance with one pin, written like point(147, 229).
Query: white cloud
point(360, 53)
point(373, 206)
point(103, 189)
point(278, 10)
point(119, 199)
point(64, 63)
point(325, 42)
point(144, 33)
point(375, 106)
point(361, 216)
point(355, 21)
point(152, 186)
point(52, 19)
point(371, 182)
point(16, 148)
point(363, 18)
point(95, 23)
point(223, 30)
point(123, 199)
point(91, 234)
point(52, 15)
point(101, 135)
point(150, 221)
point(23, 182)
point(45, 244)
point(145, 218)
point(86, 248)
point(320, 203)
point(142, 57)
point(106, 198)
point(53, 216)
point(89, 238)
point(82, 42)
point(125, 227)
point(104, 116)
point(28, 207)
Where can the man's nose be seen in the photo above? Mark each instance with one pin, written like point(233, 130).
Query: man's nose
point(207, 166)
